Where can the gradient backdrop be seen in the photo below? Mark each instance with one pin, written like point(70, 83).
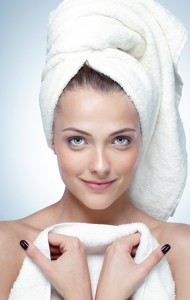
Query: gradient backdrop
point(29, 179)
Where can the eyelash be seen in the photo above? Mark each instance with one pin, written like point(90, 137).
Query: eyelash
point(82, 139)
point(75, 138)
point(124, 138)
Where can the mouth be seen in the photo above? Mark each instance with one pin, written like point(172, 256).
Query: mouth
point(98, 185)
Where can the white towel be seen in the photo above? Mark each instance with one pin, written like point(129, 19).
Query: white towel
point(136, 43)
point(32, 285)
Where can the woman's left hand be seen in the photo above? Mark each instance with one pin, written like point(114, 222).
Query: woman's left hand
point(68, 269)
point(120, 275)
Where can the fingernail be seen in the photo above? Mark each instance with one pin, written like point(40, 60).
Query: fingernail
point(24, 244)
point(165, 248)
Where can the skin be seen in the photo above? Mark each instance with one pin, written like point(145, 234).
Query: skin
point(100, 155)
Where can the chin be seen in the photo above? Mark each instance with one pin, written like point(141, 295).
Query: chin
point(96, 201)
point(97, 204)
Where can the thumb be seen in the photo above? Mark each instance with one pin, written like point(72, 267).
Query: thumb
point(154, 258)
point(37, 256)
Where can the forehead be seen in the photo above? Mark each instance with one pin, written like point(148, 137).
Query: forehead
point(89, 104)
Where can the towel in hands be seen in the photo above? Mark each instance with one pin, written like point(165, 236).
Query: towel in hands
point(31, 284)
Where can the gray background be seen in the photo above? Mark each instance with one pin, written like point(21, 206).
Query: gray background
point(29, 179)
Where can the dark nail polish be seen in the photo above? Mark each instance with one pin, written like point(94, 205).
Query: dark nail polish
point(165, 248)
point(24, 244)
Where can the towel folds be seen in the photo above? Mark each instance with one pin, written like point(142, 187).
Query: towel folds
point(31, 284)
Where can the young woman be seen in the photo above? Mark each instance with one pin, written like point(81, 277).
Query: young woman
point(98, 136)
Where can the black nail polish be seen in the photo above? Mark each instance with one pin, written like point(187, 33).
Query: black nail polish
point(24, 244)
point(165, 248)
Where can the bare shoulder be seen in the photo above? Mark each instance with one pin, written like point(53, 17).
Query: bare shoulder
point(178, 236)
point(12, 255)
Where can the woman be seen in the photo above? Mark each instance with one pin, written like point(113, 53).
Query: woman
point(101, 136)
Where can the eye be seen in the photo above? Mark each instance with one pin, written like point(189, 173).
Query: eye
point(77, 141)
point(121, 140)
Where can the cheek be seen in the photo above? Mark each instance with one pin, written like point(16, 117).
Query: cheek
point(127, 164)
point(69, 164)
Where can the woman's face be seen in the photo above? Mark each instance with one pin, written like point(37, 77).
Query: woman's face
point(97, 140)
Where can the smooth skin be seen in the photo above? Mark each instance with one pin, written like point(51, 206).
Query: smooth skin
point(68, 271)
point(118, 267)
point(100, 154)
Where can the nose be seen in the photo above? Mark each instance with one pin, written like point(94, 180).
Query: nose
point(99, 163)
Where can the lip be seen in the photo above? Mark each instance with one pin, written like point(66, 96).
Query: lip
point(98, 185)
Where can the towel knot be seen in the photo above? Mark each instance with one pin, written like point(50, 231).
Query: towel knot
point(95, 30)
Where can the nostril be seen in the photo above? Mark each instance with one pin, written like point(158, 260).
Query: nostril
point(100, 164)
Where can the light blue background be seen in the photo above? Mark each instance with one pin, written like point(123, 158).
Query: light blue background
point(29, 179)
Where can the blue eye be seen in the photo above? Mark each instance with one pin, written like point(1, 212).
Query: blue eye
point(121, 141)
point(77, 141)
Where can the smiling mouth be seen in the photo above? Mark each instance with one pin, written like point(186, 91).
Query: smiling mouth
point(98, 185)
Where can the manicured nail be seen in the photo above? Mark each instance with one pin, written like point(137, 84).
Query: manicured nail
point(165, 248)
point(24, 244)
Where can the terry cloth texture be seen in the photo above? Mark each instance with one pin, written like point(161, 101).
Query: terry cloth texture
point(31, 284)
point(136, 43)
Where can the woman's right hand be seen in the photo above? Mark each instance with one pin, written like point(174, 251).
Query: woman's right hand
point(68, 269)
point(120, 275)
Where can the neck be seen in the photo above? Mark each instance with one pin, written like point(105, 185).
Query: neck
point(70, 209)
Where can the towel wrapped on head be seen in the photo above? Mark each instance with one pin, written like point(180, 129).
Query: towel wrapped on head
point(137, 44)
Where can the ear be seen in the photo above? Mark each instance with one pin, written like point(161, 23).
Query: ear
point(53, 146)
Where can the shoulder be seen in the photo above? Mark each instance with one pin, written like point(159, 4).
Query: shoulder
point(175, 233)
point(178, 236)
point(9, 234)
point(12, 255)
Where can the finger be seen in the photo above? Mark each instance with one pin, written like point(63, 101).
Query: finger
point(56, 239)
point(55, 257)
point(154, 258)
point(130, 242)
point(134, 250)
point(37, 256)
point(54, 250)
point(55, 253)
point(64, 242)
point(58, 242)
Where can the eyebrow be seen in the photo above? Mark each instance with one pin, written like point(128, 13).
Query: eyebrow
point(86, 133)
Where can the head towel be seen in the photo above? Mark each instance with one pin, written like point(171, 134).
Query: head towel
point(136, 43)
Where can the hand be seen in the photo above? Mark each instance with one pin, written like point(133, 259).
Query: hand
point(120, 275)
point(68, 270)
